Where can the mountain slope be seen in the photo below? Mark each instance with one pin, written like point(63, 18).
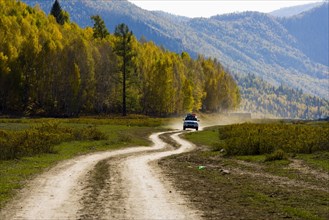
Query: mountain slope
point(256, 43)
point(311, 30)
point(294, 10)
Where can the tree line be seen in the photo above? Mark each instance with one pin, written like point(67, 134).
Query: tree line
point(52, 67)
point(279, 101)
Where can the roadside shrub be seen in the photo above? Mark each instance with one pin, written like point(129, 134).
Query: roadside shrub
point(124, 137)
point(256, 139)
point(276, 155)
point(42, 139)
point(89, 133)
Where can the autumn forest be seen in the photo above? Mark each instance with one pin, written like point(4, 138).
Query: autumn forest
point(50, 66)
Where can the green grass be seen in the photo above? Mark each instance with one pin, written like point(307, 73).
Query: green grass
point(132, 120)
point(208, 137)
point(252, 158)
point(119, 132)
point(301, 213)
point(258, 198)
point(318, 160)
point(14, 126)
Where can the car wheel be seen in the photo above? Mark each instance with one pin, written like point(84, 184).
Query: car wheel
point(197, 129)
point(184, 128)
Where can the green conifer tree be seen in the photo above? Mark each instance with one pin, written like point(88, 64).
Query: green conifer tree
point(99, 28)
point(124, 50)
point(60, 15)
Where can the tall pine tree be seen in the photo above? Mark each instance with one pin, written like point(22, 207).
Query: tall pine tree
point(60, 15)
point(124, 50)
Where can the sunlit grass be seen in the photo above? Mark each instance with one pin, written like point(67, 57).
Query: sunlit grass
point(207, 137)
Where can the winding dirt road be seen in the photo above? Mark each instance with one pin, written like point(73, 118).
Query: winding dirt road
point(132, 187)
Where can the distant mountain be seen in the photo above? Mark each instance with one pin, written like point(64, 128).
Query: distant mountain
point(294, 10)
point(253, 42)
point(275, 49)
point(311, 30)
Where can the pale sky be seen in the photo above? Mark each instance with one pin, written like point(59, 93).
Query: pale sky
point(208, 8)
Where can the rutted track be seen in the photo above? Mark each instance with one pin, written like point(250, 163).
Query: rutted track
point(134, 188)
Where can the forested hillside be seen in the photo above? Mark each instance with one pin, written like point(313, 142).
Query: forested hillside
point(294, 10)
point(266, 100)
point(313, 42)
point(249, 42)
point(257, 43)
point(53, 69)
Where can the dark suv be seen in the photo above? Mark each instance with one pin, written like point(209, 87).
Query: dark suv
point(191, 121)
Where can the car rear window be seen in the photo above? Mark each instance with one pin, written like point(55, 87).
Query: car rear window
point(191, 118)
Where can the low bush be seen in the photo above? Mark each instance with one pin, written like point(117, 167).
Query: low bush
point(257, 139)
point(89, 133)
point(276, 155)
point(42, 139)
point(125, 137)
